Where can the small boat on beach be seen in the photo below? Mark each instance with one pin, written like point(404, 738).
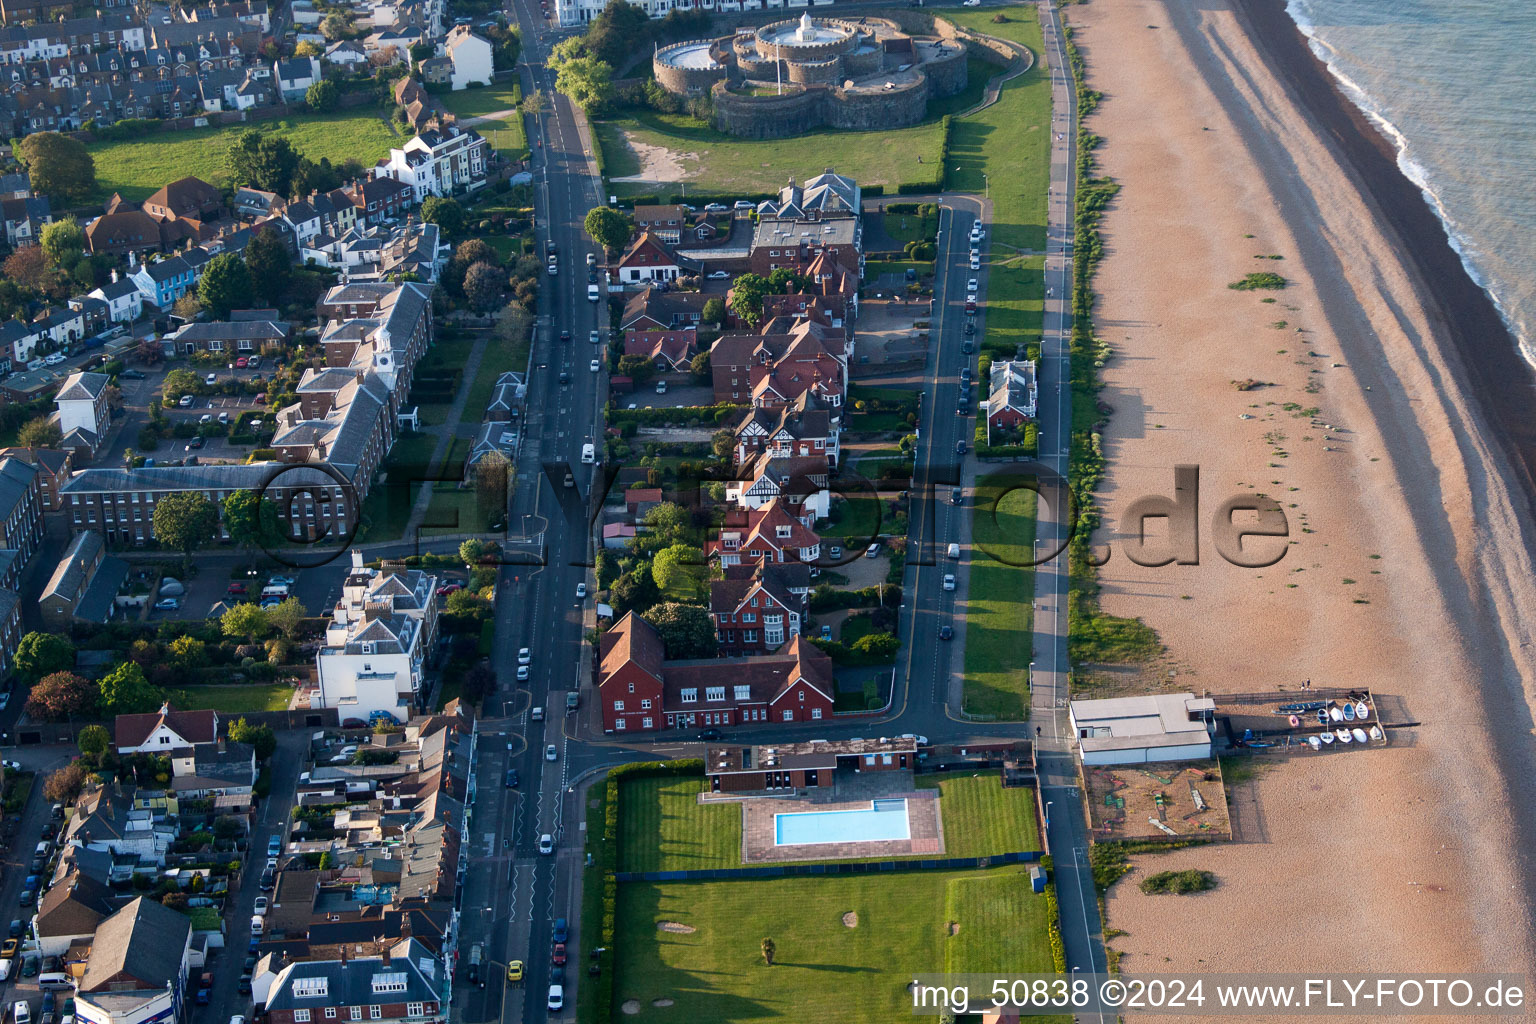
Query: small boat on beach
point(1315, 743)
point(1322, 716)
point(1326, 737)
point(1359, 734)
point(1301, 707)
point(1336, 714)
point(1294, 721)
point(1349, 712)
point(1376, 733)
point(1342, 735)
point(1362, 711)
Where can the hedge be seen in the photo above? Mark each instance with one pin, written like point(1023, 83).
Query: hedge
point(828, 598)
point(688, 415)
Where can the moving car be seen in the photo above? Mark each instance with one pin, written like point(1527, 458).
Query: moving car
point(595, 365)
point(546, 843)
point(550, 753)
point(565, 335)
point(524, 656)
point(591, 259)
point(949, 581)
point(565, 379)
point(710, 734)
point(960, 447)
point(11, 948)
point(581, 591)
point(595, 337)
point(972, 285)
point(946, 633)
point(975, 262)
point(661, 387)
point(512, 778)
point(514, 970)
point(522, 673)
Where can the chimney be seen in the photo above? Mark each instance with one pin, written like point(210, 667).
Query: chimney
point(114, 275)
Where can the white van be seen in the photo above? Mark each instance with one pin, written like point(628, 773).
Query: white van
point(588, 454)
point(278, 590)
point(592, 293)
point(954, 551)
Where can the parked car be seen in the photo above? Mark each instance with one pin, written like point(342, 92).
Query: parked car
point(261, 906)
point(194, 444)
point(522, 673)
point(168, 604)
point(557, 955)
point(562, 930)
point(742, 204)
point(186, 400)
point(556, 999)
point(719, 275)
point(268, 880)
point(716, 207)
point(449, 588)
point(11, 948)
point(6, 964)
point(241, 363)
point(873, 551)
point(512, 778)
point(581, 591)
point(53, 359)
point(253, 362)
point(131, 375)
point(211, 379)
point(710, 734)
point(21, 1010)
point(235, 589)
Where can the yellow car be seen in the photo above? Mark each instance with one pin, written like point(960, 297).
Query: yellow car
point(515, 970)
point(9, 949)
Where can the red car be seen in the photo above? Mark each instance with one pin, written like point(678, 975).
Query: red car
point(557, 956)
point(236, 588)
point(240, 363)
point(449, 588)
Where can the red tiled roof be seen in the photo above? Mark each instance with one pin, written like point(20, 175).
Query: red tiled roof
point(631, 639)
point(192, 726)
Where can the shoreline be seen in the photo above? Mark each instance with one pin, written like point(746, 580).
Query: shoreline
point(1504, 383)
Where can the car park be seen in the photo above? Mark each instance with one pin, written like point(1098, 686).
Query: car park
point(550, 753)
point(15, 766)
point(272, 602)
point(53, 359)
point(661, 387)
point(257, 924)
point(206, 417)
point(968, 347)
point(546, 843)
point(30, 964)
point(970, 326)
point(268, 880)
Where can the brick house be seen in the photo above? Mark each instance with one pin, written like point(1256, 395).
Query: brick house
point(1011, 395)
point(665, 222)
point(670, 351)
point(646, 261)
point(652, 309)
point(642, 692)
point(802, 427)
point(771, 370)
point(757, 609)
point(404, 984)
point(770, 533)
point(800, 481)
point(53, 467)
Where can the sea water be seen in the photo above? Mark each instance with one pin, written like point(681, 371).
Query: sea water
point(1453, 84)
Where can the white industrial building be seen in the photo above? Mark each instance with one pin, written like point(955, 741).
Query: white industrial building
point(1138, 730)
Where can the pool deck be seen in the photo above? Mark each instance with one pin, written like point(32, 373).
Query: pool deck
point(759, 821)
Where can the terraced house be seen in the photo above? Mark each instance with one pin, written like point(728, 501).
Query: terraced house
point(442, 160)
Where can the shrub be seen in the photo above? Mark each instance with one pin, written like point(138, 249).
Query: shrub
point(1262, 279)
point(1178, 883)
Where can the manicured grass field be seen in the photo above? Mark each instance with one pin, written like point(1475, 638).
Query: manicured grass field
point(1015, 304)
point(506, 134)
point(981, 818)
point(714, 162)
point(998, 618)
point(139, 167)
point(824, 970)
point(234, 698)
point(1010, 140)
point(662, 827)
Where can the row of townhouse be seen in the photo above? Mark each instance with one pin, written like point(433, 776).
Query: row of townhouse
point(570, 13)
point(21, 533)
point(329, 443)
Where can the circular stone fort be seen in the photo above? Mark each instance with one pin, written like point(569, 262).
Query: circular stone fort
point(789, 77)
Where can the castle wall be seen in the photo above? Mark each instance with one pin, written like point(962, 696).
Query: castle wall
point(865, 62)
point(947, 74)
point(827, 72)
point(684, 80)
point(768, 117)
point(885, 108)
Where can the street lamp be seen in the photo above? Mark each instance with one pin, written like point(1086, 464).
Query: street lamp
point(986, 185)
point(1048, 815)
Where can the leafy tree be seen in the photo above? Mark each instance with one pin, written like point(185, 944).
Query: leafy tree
point(125, 691)
point(267, 162)
point(61, 695)
point(40, 654)
point(307, 49)
point(679, 572)
point(188, 652)
point(533, 104)
point(633, 591)
point(698, 366)
point(686, 630)
point(59, 165)
point(446, 213)
point(245, 620)
point(473, 550)
point(39, 433)
point(482, 287)
point(714, 312)
point(287, 617)
point(747, 298)
point(28, 267)
point(267, 259)
point(322, 96)
point(784, 281)
point(478, 681)
point(64, 242)
point(636, 367)
point(65, 784)
point(184, 521)
point(259, 736)
point(421, 52)
point(93, 740)
point(179, 382)
point(670, 522)
point(877, 646)
point(187, 307)
point(251, 519)
point(722, 443)
point(513, 323)
point(615, 31)
point(608, 227)
point(335, 26)
point(225, 285)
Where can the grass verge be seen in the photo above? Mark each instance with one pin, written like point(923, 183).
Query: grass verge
point(999, 620)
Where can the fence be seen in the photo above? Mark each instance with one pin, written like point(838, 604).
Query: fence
point(858, 867)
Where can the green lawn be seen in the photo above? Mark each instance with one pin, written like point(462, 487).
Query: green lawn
point(388, 506)
point(1010, 140)
point(506, 134)
point(909, 227)
point(998, 617)
point(861, 519)
point(233, 698)
point(663, 827)
point(874, 268)
point(497, 358)
point(925, 921)
point(1015, 305)
point(590, 928)
point(138, 168)
point(720, 163)
point(981, 818)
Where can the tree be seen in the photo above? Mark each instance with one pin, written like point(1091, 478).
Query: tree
point(259, 736)
point(287, 616)
point(307, 49)
point(64, 242)
point(513, 323)
point(125, 691)
point(636, 367)
point(747, 298)
point(65, 784)
point(93, 740)
point(184, 521)
point(686, 630)
point(150, 353)
point(679, 572)
point(187, 652)
point(877, 646)
point(533, 104)
point(784, 281)
point(608, 227)
point(225, 285)
point(714, 312)
point(722, 443)
point(58, 164)
point(768, 949)
point(473, 550)
point(39, 432)
point(616, 30)
point(245, 620)
point(335, 26)
point(482, 287)
point(28, 267)
point(40, 654)
point(266, 257)
point(478, 681)
point(446, 213)
point(251, 519)
point(187, 307)
point(587, 81)
point(61, 695)
point(267, 162)
point(670, 523)
point(421, 52)
point(633, 591)
point(179, 382)
point(698, 366)
point(322, 96)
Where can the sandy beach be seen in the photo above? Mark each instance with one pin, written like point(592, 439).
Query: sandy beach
point(1407, 493)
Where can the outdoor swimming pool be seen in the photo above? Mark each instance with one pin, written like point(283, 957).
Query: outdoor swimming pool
point(882, 820)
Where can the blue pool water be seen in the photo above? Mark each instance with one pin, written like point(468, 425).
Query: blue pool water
point(883, 820)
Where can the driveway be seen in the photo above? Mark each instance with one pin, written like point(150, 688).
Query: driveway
point(645, 397)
